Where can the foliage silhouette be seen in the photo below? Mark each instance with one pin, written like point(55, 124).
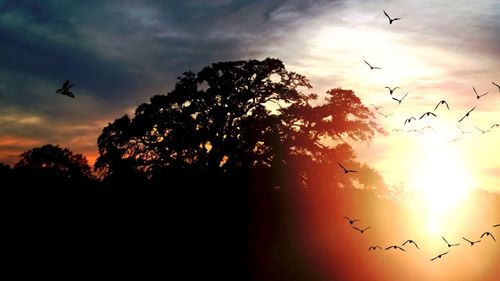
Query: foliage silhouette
point(234, 119)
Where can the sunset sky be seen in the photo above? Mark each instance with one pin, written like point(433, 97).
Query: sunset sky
point(121, 53)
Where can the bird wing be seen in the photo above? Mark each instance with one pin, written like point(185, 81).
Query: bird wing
point(368, 64)
point(462, 118)
point(386, 15)
point(352, 171)
point(475, 91)
point(494, 125)
point(401, 249)
point(437, 106)
point(471, 110)
point(356, 228)
point(467, 240)
point(396, 19)
point(404, 96)
point(445, 240)
point(341, 166)
point(389, 247)
point(434, 258)
point(367, 227)
point(484, 94)
point(493, 237)
point(396, 99)
point(430, 113)
point(66, 83)
point(422, 116)
point(446, 105)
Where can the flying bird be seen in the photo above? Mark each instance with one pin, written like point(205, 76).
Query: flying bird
point(390, 20)
point(496, 85)
point(428, 127)
point(391, 91)
point(372, 67)
point(439, 256)
point(400, 100)
point(471, 242)
point(361, 230)
point(488, 234)
point(411, 241)
point(494, 125)
point(449, 245)
point(396, 130)
point(64, 90)
point(414, 131)
point(346, 170)
point(467, 114)
point(427, 114)
point(395, 247)
point(409, 120)
point(351, 221)
point(442, 102)
point(454, 140)
point(483, 131)
point(376, 107)
point(463, 132)
point(385, 115)
point(374, 248)
point(477, 95)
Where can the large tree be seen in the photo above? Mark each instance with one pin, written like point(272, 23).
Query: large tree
point(239, 117)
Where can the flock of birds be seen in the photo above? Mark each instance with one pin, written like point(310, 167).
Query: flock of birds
point(427, 114)
point(410, 241)
point(399, 100)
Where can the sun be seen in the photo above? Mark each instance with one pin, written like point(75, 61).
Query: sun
point(441, 181)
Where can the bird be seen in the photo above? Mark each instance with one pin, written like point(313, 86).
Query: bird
point(346, 170)
point(427, 114)
point(463, 132)
point(395, 247)
point(478, 96)
point(496, 85)
point(483, 131)
point(442, 102)
point(449, 245)
point(454, 140)
point(385, 115)
point(374, 248)
point(400, 100)
point(372, 67)
point(428, 127)
point(390, 20)
point(414, 131)
point(64, 90)
point(494, 125)
point(467, 114)
point(497, 225)
point(376, 107)
point(411, 241)
point(488, 234)
point(409, 120)
point(391, 91)
point(439, 256)
point(396, 130)
point(351, 221)
point(471, 242)
point(361, 230)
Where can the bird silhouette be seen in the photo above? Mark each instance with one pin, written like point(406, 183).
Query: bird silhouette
point(400, 100)
point(428, 127)
point(449, 245)
point(467, 114)
point(391, 91)
point(494, 125)
point(409, 120)
point(390, 20)
point(346, 170)
point(411, 241)
point(374, 248)
point(372, 67)
point(440, 103)
point(385, 115)
point(427, 114)
point(463, 132)
point(439, 256)
point(395, 247)
point(361, 230)
point(471, 242)
point(351, 221)
point(376, 107)
point(64, 90)
point(454, 140)
point(488, 234)
point(415, 131)
point(483, 131)
point(477, 95)
point(496, 85)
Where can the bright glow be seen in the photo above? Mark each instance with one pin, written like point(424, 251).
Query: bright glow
point(441, 182)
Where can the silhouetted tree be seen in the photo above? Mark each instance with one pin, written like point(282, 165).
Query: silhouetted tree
point(236, 118)
point(52, 165)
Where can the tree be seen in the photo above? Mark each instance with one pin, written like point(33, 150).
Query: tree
point(235, 118)
point(53, 162)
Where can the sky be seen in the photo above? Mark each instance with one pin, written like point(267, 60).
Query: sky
point(120, 53)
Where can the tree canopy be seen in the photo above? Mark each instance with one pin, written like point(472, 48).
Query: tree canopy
point(240, 117)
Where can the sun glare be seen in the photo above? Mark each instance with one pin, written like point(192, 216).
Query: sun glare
point(441, 181)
